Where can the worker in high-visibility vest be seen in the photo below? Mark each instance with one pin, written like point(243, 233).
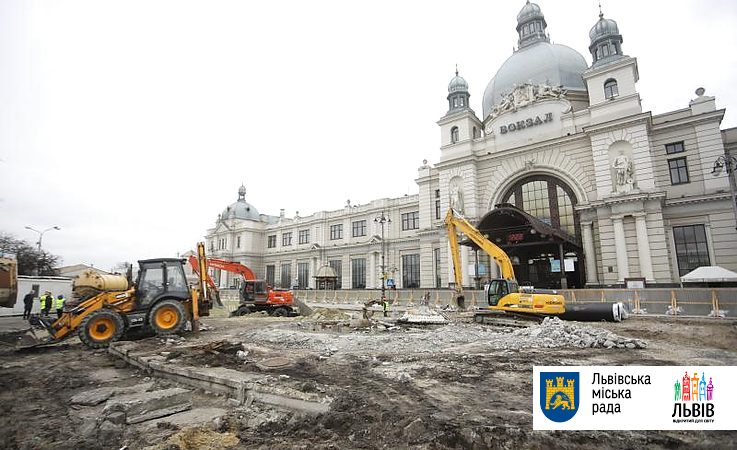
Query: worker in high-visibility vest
point(46, 299)
point(59, 305)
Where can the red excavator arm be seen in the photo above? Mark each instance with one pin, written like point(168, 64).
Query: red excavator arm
point(221, 264)
point(271, 298)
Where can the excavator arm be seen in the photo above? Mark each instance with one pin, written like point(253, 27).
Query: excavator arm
point(455, 223)
point(222, 264)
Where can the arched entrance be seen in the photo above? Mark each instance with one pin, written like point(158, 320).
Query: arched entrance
point(538, 227)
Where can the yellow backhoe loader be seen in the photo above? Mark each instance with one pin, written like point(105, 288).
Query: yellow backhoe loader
point(504, 295)
point(110, 306)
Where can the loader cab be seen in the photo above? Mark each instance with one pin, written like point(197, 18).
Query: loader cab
point(254, 291)
point(499, 288)
point(161, 277)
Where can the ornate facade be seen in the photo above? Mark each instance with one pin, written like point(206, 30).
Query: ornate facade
point(563, 170)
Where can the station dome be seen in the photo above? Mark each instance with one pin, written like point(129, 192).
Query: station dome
point(537, 61)
point(241, 209)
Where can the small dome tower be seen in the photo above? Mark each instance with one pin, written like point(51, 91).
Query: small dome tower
point(606, 42)
point(531, 25)
point(457, 94)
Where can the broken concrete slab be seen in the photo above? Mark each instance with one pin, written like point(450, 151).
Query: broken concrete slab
point(144, 406)
point(96, 396)
point(192, 417)
point(93, 397)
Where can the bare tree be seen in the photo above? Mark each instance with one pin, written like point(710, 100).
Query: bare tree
point(30, 260)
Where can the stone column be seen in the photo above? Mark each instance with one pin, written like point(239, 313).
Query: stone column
point(643, 247)
point(313, 271)
point(620, 244)
point(587, 235)
point(372, 271)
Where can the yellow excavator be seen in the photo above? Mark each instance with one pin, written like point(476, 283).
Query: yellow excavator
point(109, 306)
point(504, 295)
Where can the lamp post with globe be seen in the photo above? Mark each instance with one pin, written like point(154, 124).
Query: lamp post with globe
point(383, 219)
point(729, 165)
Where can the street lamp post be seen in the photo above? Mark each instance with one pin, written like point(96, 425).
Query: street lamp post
point(41, 233)
point(40, 239)
point(729, 164)
point(383, 219)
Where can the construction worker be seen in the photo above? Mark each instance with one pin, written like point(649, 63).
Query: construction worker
point(59, 305)
point(28, 304)
point(385, 305)
point(46, 300)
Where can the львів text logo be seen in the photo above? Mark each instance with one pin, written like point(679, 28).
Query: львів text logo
point(693, 398)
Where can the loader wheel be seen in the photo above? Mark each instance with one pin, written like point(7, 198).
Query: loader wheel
point(167, 317)
point(101, 328)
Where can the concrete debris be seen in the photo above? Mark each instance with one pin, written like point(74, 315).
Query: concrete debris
point(149, 405)
point(552, 333)
point(327, 314)
point(404, 377)
point(414, 430)
point(423, 315)
point(96, 396)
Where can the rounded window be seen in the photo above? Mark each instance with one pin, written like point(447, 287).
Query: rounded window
point(546, 198)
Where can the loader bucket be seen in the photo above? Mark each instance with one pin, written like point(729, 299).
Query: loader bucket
point(8, 282)
point(21, 338)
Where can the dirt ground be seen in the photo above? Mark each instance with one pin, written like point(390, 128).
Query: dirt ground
point(394, 387)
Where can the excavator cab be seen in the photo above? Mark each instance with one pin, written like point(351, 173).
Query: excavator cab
point(498, 289)
point(161, 277)
point(254, 291)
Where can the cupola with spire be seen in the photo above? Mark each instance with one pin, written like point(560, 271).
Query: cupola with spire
point(531, 25)
point(606, 42)
point(457, 94)
point(241, 209)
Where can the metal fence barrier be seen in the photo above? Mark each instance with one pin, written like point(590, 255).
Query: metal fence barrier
point(705, 302)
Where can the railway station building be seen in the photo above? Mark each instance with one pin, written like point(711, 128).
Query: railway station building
point(562, 169)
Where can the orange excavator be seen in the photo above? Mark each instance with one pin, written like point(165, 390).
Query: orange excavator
point(255, 295)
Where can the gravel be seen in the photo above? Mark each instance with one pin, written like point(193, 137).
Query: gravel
point(552, 333)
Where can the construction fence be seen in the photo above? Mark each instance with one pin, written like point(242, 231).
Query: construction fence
point(706, 302)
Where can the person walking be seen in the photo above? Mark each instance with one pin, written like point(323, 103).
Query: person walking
point(28, 304)
point(59, 305)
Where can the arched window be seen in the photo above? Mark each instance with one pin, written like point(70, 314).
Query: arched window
point(546, 198)
point(610, 88)
point(454, 135)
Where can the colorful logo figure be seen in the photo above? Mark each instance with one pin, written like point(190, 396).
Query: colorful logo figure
point(559, 395)
point(694, 389)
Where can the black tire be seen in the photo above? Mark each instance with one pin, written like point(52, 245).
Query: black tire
point(281, 312)
point(101, 328)
point(167, 317)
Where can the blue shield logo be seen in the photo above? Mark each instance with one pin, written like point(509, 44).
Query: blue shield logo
point(559, 395)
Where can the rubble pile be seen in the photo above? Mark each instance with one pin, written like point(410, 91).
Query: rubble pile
point(327, 314)
point(422, 315)
point(552, 333)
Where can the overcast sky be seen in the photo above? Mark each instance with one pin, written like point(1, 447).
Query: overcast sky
point(131, 124)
